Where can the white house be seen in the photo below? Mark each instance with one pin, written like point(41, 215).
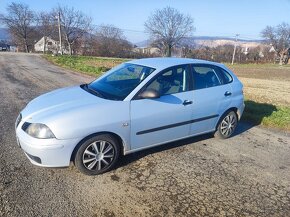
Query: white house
point(46, 44)
point(147, 50)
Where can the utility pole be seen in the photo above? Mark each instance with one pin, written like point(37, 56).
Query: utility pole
point(59, 33)
point(236, 40)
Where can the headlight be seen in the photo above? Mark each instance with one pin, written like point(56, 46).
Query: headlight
point(40, 131)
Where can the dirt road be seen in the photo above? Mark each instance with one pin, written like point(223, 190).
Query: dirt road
point(246, 175)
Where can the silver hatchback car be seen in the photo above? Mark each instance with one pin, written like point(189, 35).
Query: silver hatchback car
point(136, 105)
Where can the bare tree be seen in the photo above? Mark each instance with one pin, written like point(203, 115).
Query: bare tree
point(168, 26)
point(19, 20)
point(46, 26)
point(279, 38)
point(111, 42)
point(74, 25)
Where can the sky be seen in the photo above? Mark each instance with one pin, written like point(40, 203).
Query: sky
point(211, 17)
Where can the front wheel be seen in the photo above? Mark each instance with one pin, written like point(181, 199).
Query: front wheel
point(227, 125)
point(97, 155)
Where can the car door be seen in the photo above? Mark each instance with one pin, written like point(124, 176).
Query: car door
point(211, 98)
point(156, 121)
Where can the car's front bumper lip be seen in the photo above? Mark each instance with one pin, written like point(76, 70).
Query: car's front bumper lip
point(52, 152)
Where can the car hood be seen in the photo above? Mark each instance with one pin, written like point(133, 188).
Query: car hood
point(74, 113)
point(59, 100)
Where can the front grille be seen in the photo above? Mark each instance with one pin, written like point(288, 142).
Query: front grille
point(18, 120)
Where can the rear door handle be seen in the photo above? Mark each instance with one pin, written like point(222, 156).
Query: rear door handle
point(228, 93)
point(186, 102)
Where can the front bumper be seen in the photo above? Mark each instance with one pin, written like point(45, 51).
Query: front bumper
point(46, 152)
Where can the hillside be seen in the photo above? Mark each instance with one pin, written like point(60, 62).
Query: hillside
point(4, 34)
point(208, 41)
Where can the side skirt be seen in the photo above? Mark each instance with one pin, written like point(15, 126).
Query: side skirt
point(151, 146)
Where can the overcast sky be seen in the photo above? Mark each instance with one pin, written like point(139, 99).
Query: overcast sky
point(211, 17)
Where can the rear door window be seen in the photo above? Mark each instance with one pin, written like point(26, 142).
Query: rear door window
point(205, 76)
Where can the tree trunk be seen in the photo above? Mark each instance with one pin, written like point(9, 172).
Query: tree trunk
point(69, 49)
point(284, 55)
point(26, 46)
point(281, 60)
point(168, 53)
point(44, 44)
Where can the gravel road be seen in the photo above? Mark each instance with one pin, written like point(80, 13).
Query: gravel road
point(246, 175)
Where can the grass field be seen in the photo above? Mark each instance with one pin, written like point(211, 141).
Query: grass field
point(265, 83)
point(266, 86)
point(267, 90)
point(88, 65)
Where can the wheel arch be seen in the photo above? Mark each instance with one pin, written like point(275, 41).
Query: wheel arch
point(116, 136)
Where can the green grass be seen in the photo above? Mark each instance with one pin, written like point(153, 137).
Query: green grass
point(255, 112)
point(267, 115)
point(94, 66)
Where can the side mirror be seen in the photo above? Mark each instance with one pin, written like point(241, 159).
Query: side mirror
point(149, 94)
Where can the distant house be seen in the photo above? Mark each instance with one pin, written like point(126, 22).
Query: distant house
point(147, 50)
point(245, 50)
point(46, 44)
point(272, 49)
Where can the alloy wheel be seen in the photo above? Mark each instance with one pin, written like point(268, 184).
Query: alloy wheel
point(98, 155)
point(228, 124)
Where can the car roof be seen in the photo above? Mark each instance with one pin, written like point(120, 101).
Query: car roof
point(165, 62)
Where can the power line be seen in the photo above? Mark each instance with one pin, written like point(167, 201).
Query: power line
point(243, 37)
point(126, 30)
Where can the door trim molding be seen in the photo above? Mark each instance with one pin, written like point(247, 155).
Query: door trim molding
point(176, 124)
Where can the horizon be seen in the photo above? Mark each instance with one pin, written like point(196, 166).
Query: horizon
point(195, 37)
point(208, 15)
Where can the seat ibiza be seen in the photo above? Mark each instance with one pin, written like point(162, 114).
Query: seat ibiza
point(136, 105)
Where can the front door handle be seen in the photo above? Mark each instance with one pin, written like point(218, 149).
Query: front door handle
point(228, 93)
point(186, 102)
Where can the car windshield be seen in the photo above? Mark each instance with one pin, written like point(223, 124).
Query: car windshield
point(120, 81)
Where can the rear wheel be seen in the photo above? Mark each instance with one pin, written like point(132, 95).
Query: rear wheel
point(227, 125)
point(97, 154)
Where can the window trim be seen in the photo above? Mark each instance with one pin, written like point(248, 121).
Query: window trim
point(190, 77)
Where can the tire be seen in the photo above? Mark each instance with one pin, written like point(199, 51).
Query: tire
point(226, 125)
point(97, 154)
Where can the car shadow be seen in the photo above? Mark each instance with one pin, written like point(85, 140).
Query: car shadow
point(255, 112)
point(125, 160)
point(243, 127)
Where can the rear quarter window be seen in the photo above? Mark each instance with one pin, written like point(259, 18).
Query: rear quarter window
point(223, 75)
